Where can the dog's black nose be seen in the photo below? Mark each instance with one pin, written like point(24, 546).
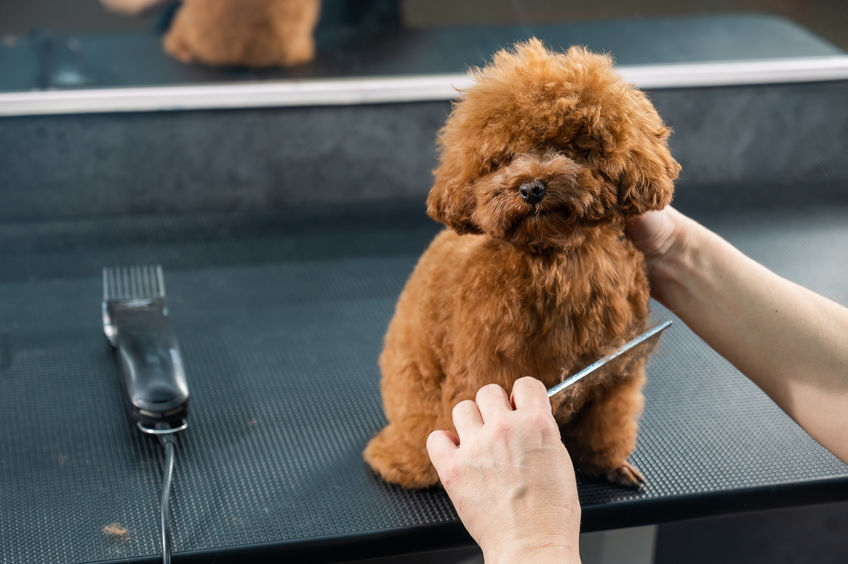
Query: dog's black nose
point(532, 192)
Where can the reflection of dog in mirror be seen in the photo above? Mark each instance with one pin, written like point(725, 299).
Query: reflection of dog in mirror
point(541, 161)
point(253, 33)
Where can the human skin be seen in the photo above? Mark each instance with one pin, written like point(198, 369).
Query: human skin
point(790, 341)
point(131, 7)
point(497, 470)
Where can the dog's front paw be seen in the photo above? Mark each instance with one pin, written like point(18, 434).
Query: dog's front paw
point(626, 475)
point(397, 458)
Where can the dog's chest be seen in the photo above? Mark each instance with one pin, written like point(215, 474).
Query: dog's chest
point(539, 316)
point(503, 313)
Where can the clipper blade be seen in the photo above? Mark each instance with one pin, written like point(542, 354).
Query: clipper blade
point(133, 282)
point(128, 285)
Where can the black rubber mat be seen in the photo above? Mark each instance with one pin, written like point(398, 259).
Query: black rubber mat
point(281, 319)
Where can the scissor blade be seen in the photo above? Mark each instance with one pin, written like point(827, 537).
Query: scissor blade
point(652, 333)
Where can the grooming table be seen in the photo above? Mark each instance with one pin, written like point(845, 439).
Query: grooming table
point(280, 316)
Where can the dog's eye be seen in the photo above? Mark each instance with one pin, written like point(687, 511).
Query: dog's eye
point(497, 162)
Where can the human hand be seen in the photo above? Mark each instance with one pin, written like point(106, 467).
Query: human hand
point(509, 476)
point(654, 232)
point(659, 235)
point(130, 7)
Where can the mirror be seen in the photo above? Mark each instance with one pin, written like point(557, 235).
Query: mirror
point(92, 44)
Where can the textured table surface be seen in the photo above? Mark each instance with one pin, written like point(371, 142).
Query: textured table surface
point(280, 317)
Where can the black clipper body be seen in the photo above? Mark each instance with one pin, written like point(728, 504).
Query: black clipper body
point(135, 320)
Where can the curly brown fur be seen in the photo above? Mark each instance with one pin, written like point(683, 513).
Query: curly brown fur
point(253, 33)
point(542, 289)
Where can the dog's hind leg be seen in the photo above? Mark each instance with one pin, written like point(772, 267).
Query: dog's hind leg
point(603, 433)
point(399, 455)
point(411, 399)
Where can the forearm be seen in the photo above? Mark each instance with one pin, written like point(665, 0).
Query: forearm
point(788, 340)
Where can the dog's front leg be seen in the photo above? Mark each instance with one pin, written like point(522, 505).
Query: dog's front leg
point(603, 433)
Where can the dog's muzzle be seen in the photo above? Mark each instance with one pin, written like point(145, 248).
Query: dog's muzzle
point(532, 192)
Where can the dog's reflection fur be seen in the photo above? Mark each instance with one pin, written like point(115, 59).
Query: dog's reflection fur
point(252, 33)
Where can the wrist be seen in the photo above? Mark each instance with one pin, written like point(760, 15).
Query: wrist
point(540, 554)
point(542, 545)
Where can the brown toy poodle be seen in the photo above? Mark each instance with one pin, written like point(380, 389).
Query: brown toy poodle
point(541, 161)
point(253, 33)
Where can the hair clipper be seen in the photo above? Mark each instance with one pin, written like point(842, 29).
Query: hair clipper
point(135, 320)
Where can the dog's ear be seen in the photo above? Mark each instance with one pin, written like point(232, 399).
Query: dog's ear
point(620, 132)
point(451, 200)
point(647, 176)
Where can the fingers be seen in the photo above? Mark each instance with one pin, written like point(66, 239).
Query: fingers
point(440, 445)
point(530, 393)
point(466, 418)
point(652, 232)
point(492, 402)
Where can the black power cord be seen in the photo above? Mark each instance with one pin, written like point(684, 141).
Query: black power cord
point(170, 445)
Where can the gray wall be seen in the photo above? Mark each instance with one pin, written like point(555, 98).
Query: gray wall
point(749, 145)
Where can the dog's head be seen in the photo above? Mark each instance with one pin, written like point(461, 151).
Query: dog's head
point(544, 142)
